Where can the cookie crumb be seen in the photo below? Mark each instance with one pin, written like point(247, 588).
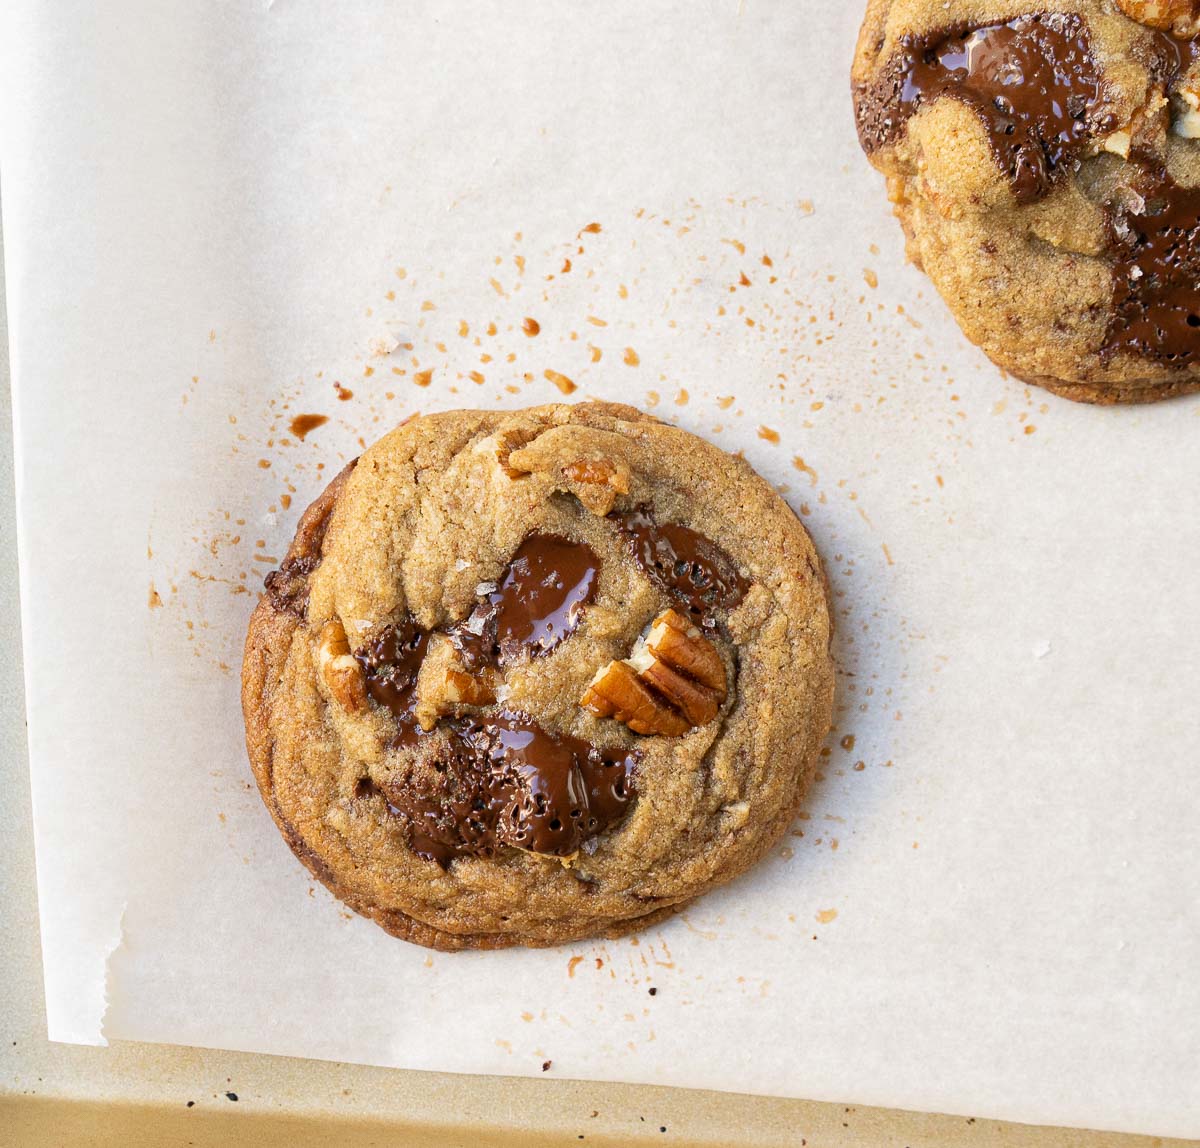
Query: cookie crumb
point(560, 381)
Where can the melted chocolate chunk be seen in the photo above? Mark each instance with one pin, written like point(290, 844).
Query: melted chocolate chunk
point(287, 587)
point(390, 663)
point(503, 780)
point(690, 567)
point(1156, 301)
point(1032, 81)
point(538, 603)
point(1172, 57)
point(475, 784)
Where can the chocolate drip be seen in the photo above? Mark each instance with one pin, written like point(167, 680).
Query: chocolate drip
point(287, 587)
point(390, 663)
point(1033, 82)
point(1156, 312)
point(538, 603)
point(1172, 57)
point(1156, 241)
point(689, 566)
point(504, 780)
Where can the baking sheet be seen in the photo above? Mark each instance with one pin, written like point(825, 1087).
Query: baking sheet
point(217, 216)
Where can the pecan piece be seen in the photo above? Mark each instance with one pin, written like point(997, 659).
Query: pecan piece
point(507, 444)
point(673, 681)
point(1187, 113)
point(1179, 16)
point(445, 684)
point(617, 692)
point(339, 669)
point(594, 479)
point(596, 482)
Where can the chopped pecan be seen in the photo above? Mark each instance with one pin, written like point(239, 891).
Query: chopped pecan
point(1186, 103)
point(599, 471)
point(672, 682)
point(509, 443)
point(341, 672)
point(462, 689)
point(596, 482)
point(593, 478)
point(617, 692)
point(1179, 16)
point(445, 685)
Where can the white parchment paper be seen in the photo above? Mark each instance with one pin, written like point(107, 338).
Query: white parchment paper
point(215, 213)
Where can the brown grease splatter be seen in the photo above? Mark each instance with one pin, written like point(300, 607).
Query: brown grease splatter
point(302, 424)
point(804, 468)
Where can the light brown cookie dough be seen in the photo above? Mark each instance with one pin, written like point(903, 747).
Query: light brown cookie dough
point(530, 677)
point(1044, 162)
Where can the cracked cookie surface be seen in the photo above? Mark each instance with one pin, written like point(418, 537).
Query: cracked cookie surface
point(415, 677)
point(1044, 162)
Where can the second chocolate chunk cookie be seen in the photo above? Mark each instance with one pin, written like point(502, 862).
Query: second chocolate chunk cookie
point(1044, 161)
point(532, 677)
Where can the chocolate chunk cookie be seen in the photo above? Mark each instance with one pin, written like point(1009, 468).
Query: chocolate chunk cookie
point(1044, 161)
point(530, 677)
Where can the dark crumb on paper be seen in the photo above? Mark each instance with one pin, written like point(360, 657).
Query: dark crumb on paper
point(191, 1104)
point(231, 1096)
point(546, 1065)
point(662, 1128)
point(653, 992)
